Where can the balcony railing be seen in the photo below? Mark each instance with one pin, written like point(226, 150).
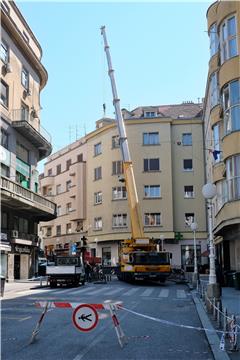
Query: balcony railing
point(17, 189)
point(30, 117)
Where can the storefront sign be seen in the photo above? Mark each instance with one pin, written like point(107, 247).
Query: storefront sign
point(22, 249)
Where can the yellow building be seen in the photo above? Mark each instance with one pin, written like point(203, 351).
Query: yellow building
point(222, 128)
point(23, 143)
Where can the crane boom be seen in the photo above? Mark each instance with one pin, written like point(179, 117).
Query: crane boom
point(135, 214)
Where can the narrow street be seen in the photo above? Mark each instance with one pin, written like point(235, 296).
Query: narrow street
point(147, 338)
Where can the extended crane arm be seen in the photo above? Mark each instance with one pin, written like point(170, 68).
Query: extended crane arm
point(135, 214)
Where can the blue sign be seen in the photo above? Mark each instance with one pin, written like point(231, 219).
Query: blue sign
point(74, 249)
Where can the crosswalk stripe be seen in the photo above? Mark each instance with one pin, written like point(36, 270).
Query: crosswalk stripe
point(164, 293)
point(81, 291)
point(114, 291)
point(181, 294)
point(131, 292)
point(147, 292)
point(94, 292)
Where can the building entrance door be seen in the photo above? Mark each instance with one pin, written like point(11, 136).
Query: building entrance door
point(17, 267)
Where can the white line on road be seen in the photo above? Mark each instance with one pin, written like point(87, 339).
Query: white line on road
point(181, 294)
point(131, 292)
point(147, 292)
point(164, 293)
point(114, 291)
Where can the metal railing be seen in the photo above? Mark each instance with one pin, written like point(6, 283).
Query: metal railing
point(17, 189)
point(29, 117)
point(230, 330)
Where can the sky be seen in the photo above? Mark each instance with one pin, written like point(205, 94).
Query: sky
point(159, 50)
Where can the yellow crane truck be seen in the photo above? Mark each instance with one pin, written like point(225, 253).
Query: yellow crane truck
point(138, 258)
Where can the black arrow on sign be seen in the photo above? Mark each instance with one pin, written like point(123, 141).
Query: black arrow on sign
point(85, 317)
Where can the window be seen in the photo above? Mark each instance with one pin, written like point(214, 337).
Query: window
point(4, 220)
point(119, 192)
point(25, 36)
point(189, 218)
point(214, 90)
point(49, 172)
point(187, 165)
point(152, 219)
point(68, 207)
point(58, 230)
point(59, 210)
point(25, 78)
point(150, 114)
point(117, 167)
point(79, 226)
point(58, 189)
point(233, 177)
point(68, 185)
point(97, 149)
point(68, 164)
point(228, 39)
point(152, 191)
point(23, 225)
point(188, 191)
point(68, 228)
point(24, 112)
point(222, 194)
point(98, 197)
point(4, 54)
point(80, 158)
point(216, 143)
point(214, 41)
point(151, 138)
point(4, 93)
point(187, 139)
point(97, 223)
point(119, 220)
point(98, 173)
point(151, 164)
point(5, 171)
point(22, 153)
point(5, 6)
point(58, 169)
point(106, 256)
point(187, 254)
point(49, 231)
point(115, 142)
point(49, 191)
point(231, 106)
point(4, 138)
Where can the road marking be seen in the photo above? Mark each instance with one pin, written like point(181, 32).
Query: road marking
point(131, 292)
point(147, 292)
point(16, 318)
point(114, 291)
point(26, 318)
point(80, 291)
point(99, 290)
point(181, 294)
point(164, 293)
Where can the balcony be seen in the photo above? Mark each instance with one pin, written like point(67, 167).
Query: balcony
point(28, 125)
point(17, 197)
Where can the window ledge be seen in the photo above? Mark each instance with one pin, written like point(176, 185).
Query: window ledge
point(152, 197)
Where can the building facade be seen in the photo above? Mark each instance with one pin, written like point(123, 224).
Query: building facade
point(222, 128)
point(23, 143)
point(166, 149)
point(64, 182)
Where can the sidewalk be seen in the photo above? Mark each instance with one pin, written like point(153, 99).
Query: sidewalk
point(19, 286)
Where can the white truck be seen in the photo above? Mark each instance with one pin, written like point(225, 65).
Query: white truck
point(67, 270)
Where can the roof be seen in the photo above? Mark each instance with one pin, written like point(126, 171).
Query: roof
point(186, 110)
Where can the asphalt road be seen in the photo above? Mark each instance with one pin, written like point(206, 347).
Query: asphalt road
point(148, 337)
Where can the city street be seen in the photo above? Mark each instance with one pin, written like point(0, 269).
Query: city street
point(147, 338)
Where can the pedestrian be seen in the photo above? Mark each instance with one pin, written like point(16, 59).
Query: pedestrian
point(88, 270)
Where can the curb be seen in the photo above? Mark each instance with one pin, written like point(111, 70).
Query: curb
point(212, 337)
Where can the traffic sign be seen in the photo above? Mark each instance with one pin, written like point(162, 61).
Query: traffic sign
point(85, 317)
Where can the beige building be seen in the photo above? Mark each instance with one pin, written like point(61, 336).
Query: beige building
point(167, 152)
point(64, 182)
point(222, 128)
point(23, 143)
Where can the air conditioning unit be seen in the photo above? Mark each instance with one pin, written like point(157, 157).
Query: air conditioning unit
point(14, 233)
point(8, 68)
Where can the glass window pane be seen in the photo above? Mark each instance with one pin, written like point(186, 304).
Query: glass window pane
point(232, 47)
point(235, 118)
point(232, 26)
point(234, 92)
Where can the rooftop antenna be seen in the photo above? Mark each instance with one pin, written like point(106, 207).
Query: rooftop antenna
point(76, 132)
point(104, 110)
point(70, 133)
point(84, 127)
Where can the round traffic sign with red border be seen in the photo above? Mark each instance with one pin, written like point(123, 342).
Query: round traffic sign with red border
point(85, 317)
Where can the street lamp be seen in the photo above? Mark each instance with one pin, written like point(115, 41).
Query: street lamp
point(209, 190)
point(162, 238)
point(194, 227)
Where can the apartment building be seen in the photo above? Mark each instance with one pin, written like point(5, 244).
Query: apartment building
point(222, 128)
point(166, 145)
point(23, 143)
point(64, 182)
